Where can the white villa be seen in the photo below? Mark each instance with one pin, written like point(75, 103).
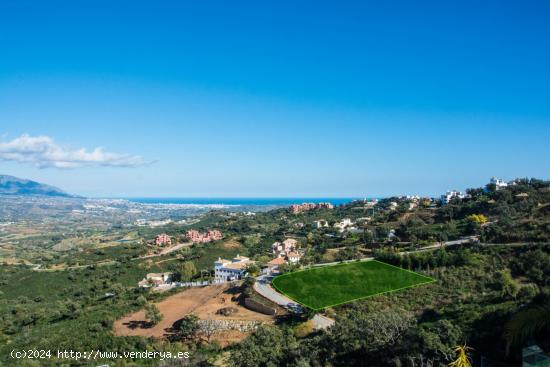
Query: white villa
point(320, 223)
point(227, 270)
point(498, 183)
point(343, 224)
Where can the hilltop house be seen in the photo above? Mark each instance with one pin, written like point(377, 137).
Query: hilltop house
point(499, 184)
point(228, 270)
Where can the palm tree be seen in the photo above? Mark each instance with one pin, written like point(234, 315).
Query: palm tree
point(528, 322)
point(462, 360)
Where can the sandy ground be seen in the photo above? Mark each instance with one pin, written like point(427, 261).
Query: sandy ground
point(203, 302)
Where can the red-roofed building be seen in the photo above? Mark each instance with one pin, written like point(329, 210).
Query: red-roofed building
point(163, 239)
point(196, 236)
point(299, 208)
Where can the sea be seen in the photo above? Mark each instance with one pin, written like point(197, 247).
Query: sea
point(241, 201)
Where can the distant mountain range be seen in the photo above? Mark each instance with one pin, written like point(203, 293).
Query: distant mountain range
point(10, 185)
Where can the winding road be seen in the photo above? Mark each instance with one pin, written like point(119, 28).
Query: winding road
point(263, 287)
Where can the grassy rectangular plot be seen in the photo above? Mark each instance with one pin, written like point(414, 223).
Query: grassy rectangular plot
point(326, 286)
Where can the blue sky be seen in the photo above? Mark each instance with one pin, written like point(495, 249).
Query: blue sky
point(281, 98)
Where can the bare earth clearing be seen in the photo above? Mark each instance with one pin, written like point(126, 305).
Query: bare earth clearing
point(203, 302)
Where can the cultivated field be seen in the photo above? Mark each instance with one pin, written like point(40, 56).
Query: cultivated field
point(327, 286)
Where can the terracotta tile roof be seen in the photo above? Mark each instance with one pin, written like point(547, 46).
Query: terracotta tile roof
point(277, 261)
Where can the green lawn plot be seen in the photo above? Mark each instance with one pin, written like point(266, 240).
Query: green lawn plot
point(332, 285)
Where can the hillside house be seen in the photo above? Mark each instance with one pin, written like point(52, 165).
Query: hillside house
point(273, 265)
point(155, 279)
point(343, 224)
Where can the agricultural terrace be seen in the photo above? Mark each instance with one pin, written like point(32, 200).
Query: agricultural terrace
point(326, 286)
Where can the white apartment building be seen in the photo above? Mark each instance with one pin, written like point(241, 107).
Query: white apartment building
point(449, 195)
point(228, 270)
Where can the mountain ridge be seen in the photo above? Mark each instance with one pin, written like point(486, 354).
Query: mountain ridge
point(15, 186)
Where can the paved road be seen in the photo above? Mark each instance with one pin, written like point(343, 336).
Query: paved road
point(340, 262)
point(427, 248)
point(263, 287)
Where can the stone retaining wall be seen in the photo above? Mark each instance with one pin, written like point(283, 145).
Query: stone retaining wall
point(258, 307)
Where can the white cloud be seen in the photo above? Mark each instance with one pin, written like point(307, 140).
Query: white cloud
point(43, 152)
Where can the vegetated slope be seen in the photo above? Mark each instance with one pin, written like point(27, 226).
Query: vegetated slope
point(332, 285)
point(10, 185)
